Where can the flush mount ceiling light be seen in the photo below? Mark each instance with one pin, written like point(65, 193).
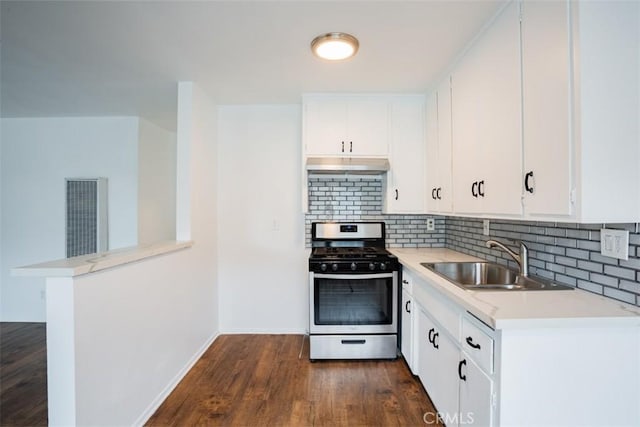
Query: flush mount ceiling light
point(334, 46)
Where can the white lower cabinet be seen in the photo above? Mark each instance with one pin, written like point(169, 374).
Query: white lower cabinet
point(461, 392)
point(455, 360)
point(408, 329)
point(437, 363)
point(555, 373)
point(476, 394)
point(409, 321)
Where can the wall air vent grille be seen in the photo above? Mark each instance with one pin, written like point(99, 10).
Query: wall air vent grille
point(86, 216)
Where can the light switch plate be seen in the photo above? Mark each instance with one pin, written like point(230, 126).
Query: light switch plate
point(614, 243)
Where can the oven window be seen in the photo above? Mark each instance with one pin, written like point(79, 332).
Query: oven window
point(353, 301)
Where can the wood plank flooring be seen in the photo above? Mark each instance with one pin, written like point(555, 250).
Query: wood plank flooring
point(268, 380)
point(23, 374)
point(241, 380)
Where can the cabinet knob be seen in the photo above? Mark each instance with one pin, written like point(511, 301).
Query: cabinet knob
point(351, 146)
point(433, 194)
point(462, 363)
point(474, 189)
point(481, 188)
point(528, 187)
point(343, 146)
point(438, 193)
point(396, 194)
point(406, 306)
point(405, 281)
point(430, 336)
point(435, 337)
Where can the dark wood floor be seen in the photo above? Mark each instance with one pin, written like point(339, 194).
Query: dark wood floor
point(23, 374)
point(251, 380)
point(241, 380)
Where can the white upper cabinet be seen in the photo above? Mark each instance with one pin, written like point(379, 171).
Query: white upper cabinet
point(438, 137)
point(546, 107)
point(581, 97)
point(486, 115)
point(606, 100)
point(405, 179)
point(545, 112)
point(346, 125)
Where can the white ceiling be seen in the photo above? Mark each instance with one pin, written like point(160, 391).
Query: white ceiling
point(124, 58)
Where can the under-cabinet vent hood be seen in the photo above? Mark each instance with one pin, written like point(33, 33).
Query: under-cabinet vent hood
point(352, 165)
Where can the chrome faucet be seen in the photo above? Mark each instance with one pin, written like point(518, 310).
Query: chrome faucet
point(522, 259)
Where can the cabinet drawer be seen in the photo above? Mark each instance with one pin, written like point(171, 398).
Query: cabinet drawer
point(440, 309)
point(407, 280)
point(353, 347)
point(477, 344)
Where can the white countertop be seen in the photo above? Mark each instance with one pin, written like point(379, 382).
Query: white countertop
point(520, 309)
point(70, 267)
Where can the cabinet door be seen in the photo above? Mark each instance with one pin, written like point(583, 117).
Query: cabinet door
point(545, 90)
point(408, 330)
point(438, 363)
point(432, 152)
point(368, 126)
point(466, 155)
point(405, 180)
point(439, 188)
point(444, 191)
point(476, 394)
point(487, 121)
point(325, 129)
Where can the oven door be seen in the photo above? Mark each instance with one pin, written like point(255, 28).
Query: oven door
point(353, 303)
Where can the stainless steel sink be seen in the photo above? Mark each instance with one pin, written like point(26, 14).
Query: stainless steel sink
point(488, 276)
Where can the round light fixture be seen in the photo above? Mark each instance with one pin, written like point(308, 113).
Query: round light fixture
point(335, 46)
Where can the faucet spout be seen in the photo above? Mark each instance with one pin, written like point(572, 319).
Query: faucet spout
point(522, 259)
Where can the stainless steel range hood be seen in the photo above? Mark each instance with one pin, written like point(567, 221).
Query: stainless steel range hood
point(352, 165)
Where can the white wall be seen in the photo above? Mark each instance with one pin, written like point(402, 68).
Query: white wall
point(156, 184)
point(37, 155)
point(263, 263)
point(120, 339)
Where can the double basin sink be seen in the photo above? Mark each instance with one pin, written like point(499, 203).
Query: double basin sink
point(489, 276)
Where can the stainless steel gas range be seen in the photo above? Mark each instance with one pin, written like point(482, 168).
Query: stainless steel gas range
point(353, 288)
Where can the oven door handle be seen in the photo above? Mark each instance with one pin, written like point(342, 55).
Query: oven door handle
point(353, 276)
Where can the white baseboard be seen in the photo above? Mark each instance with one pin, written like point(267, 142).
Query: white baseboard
point(155, 404)
point(264, 331)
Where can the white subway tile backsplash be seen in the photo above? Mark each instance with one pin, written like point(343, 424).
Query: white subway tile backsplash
point(590, 266)
point(566, 253)
point(623, 273)
point(620, 295)
point(590, 286)
point(360, 199)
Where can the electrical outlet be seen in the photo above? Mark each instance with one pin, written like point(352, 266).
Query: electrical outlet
point(614, 243)
point(485, 227)
point(431, 224)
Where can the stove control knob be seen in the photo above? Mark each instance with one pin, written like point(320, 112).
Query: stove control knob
point(323, 267)
point(383, 266)
point(372, 266)
point(334, 267)
point(353, 266)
